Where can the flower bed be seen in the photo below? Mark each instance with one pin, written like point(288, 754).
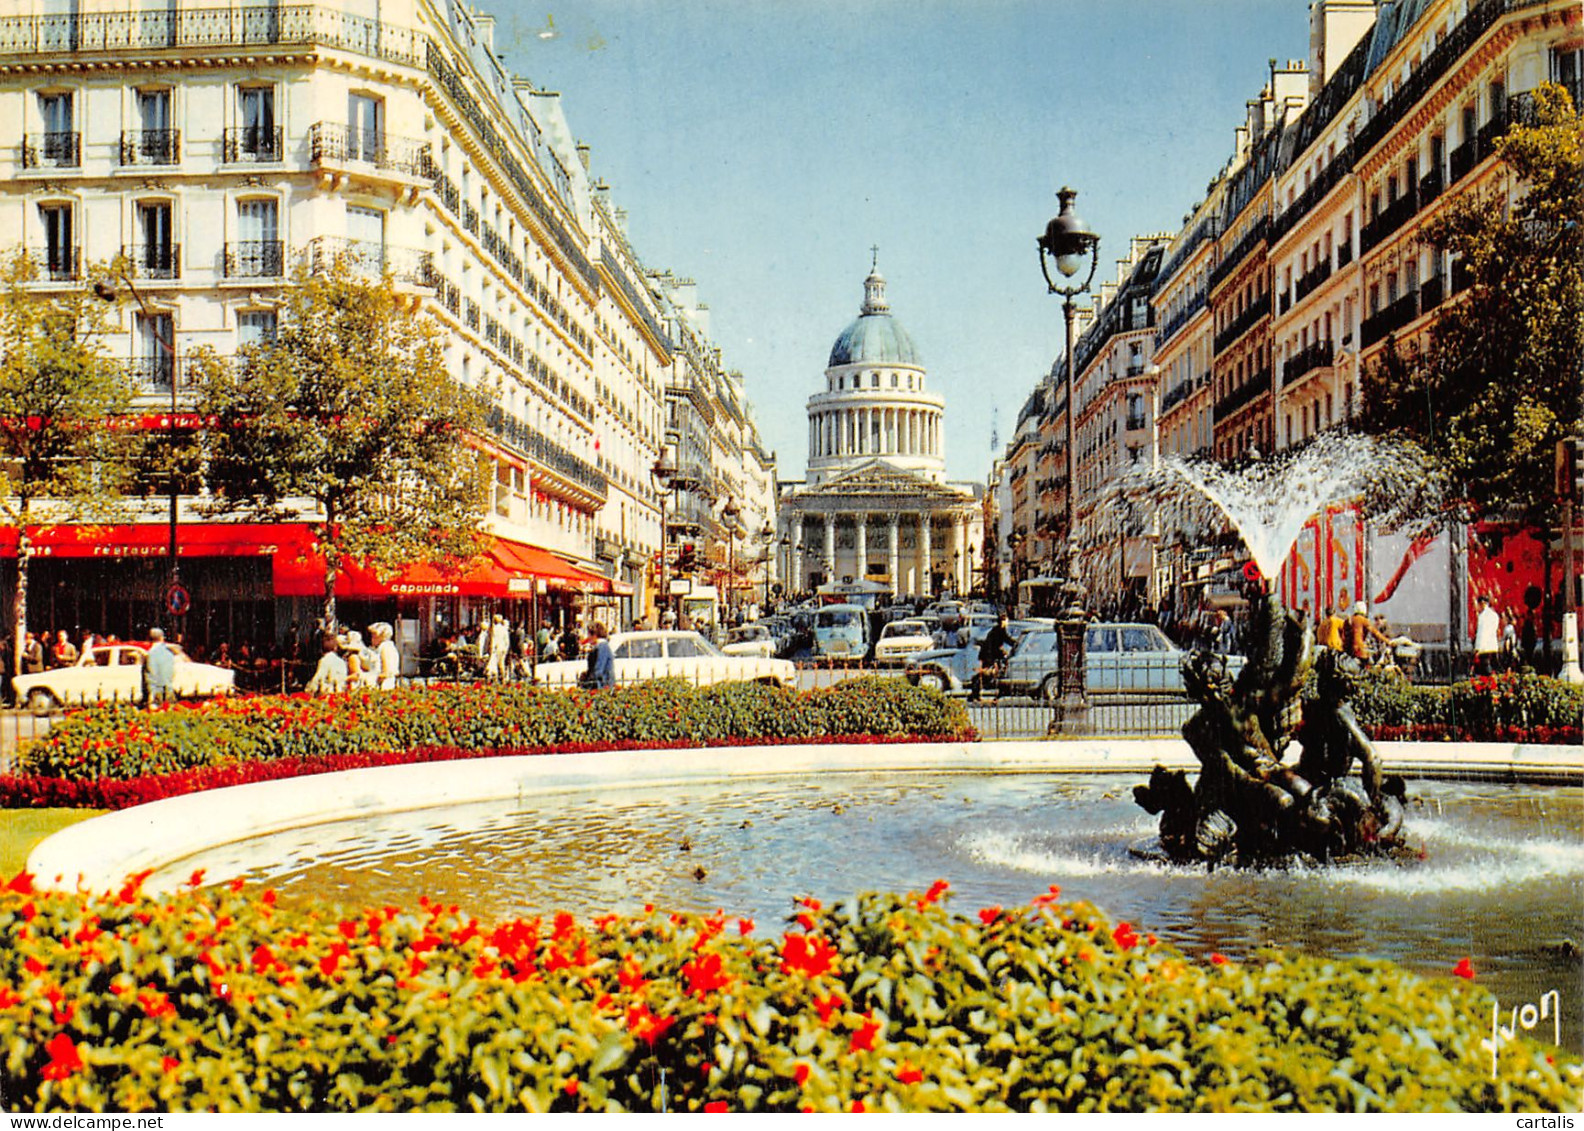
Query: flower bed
point(1510, 707)
point(224, 1001)
point(111, 756)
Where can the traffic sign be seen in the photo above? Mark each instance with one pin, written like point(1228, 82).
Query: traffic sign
point(177, 599)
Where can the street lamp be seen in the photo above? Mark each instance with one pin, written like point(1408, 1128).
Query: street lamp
point(791, 576)
point(729, 515)
point(175, 598)
point(767, 536)
point(1068, 242)
point(662, 473)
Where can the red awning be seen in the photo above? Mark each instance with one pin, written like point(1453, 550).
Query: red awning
point(302, 574)
point(151, 540)
point(531, 563)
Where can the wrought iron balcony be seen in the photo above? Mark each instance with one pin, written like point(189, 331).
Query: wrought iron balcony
point(402, 264)
point(255, 259)
point(1389, 219)
point(59, 264)
point(252, 144)
point(150, 147)
point(1242, 396)
point(1431, 292)
point(1241, 325)
point(1311, 279)
point(1430, 186)
point(547, 453)
point(1314, 356)
point(1393, 317)
point(1255, 236)
point(333, 143)
point(61, 149)
point(155, 373)
point(154, 260)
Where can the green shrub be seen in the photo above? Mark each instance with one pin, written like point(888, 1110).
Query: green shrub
point(1510, 707)
point(120, 743)
point(224, 1001)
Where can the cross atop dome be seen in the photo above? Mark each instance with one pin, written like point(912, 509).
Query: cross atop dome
point(874, 287)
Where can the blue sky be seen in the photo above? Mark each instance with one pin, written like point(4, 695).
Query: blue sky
point(761, 147)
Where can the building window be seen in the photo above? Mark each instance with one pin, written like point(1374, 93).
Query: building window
point(156, 255)
point(256, 328)
point(154, 343)
point(58, 143)
point(258, 251)
point(257, 137)
point(59, 251)
point(366, 126)
point(154, 142)
point(366, 237)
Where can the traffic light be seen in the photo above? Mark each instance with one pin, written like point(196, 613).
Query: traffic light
point(687, 559)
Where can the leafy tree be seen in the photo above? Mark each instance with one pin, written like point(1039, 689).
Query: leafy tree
point(62, 457)
point(350, 410)
point(1497, 383)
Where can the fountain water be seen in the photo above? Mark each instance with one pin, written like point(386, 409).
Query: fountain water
point(1250, 806)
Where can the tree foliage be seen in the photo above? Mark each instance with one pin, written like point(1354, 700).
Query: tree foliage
point(350, 411)
point(1497, 383)
point(66, 453)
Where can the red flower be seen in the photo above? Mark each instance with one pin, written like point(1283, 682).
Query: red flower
point(1464, 969)
point(745, 926)
point(21, 883)
point(988, 915)
point(704, 974)
point(827, 1006)
point(716, 1106)
point(650, 1027)
point(1124, 937)
point(937, 889)
point(858, 1106)
point(9, 997)
point(630, 976)
point(808, 956)
point(907, 1074)
point(154, 1003)
point(237, 884)
point(129, 890)
point(570, 1087)
point(1049, 897)
point(864, 1039)
point(801, 1074)
point(169, 1064)
point(64, 1060)
point(33, 965)
point(1217, 959)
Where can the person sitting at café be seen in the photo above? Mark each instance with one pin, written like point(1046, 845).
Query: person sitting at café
point(330, 677)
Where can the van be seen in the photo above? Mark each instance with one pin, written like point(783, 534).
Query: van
point(841, 632)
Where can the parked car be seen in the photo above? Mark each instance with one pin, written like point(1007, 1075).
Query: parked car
point(901, 639)
point(662, 653)
point(1117, 657)
point(114, 672)
point(950, 670)
point(750, 640)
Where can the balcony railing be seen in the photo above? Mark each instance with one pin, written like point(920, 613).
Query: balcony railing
point(255, 259)
point(1240, 325)
point(59, 264)
point(242, 25)
point(154, 260)
point(1310, 279)
point(150, 147)
point(1431, 292)
point(1329, 177)
point(1311, 357)
point(1242, 396)
point(1395, 316)
point(1430, 186)
point(252, 144)
point(1251, 239)
point(445, 189)
point(335, 143)
point(470, 314)
point(402, 264)
point(1388, 220)
point(470, 218)
point(61, 149)
point(155, 373)
point(1344, 253)
point(1179, 319)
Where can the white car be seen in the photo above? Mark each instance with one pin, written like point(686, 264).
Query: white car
point(750, 640)
point(660, 654)
point(114, 673)
point(901, 639)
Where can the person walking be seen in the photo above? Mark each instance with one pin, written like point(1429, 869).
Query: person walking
point(387, 660)
point(32, 655)
point(499, 649)
point(571, 646)
point(601, 671)
point(1487, 637)
point(1360, 632)
point(159, 669)
point(1331, 629)
point(1224, 635)
point(64, 653)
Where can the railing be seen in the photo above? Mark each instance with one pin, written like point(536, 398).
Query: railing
point(252, 144)
point(234, 26)
point(1388, 220)
point(402, 264)
point(154, 260)
point(60, 264)
point(1344, 253)
point(1243, 395)
point(1136, 421)
point(255, 259)
point(1311, 279)
point(549, 454)
point(153, 374)
point(1393, 317)
point(470, 218)
point(1176, 395)
point(1462, 276)
point(335, 142)
point(1241, 324)
point(1179, 319)
point(445, 190)
point(1311, 357)
point(1240, 251)
point(150, 147)
point(1461, 161)
point(1430, 186)
point(61, 149)
point(614, 272)
point(1284, 302)
point(1329, 178)
point(470, 314)
point(1431, 292)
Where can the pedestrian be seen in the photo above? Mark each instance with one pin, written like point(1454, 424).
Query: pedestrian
point(601, 671)
point(1331, 632)
point(159, 669)
point(1360, 632)
point(1487, 637)
point(32, 655)
point(571, 647)
point(992, 651)
point(330, 677)
point(387, 660)
point(1224, 635)
point(64, 653)
point(499, 649)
